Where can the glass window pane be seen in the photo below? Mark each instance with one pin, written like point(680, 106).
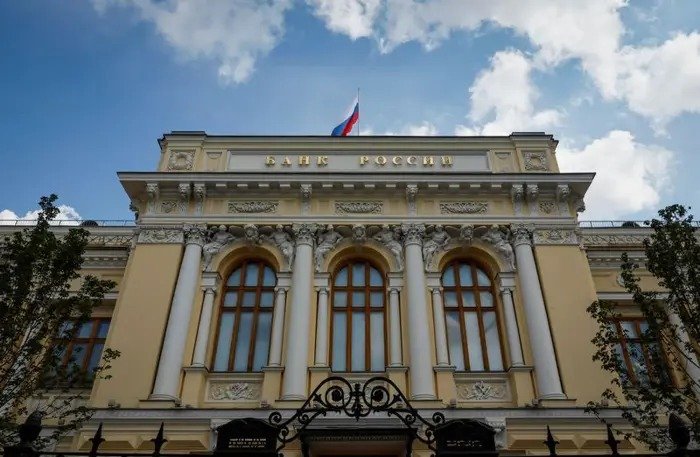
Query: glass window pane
point(486, 299)
point(251, 274)
point(493, 344)
point(375, 278)
point(638, 363)
point(468, 299)
point(644, 328)
point(65, 330)
point(482, 278)
point(448, 277)
point(476, 361)
point(95, 358)
point(85, 330)
point(266, 299)
point(269, 278)
point(622, 366)
point(376, 327)
point(262, 341)
point(340, 299)
point(240, 361)
point(376, 299)
point(102, 330)
point(230, 299)
point(235, 278)
point(339, 341)
point(358, 274)
point(341, 278)
point(357, 350)
point(454, 340)
point(465, 275)
point(450, 299)
point(248, 299)
point(223, 344)
point(358, 298)
point(629, 329)
point(77, 355)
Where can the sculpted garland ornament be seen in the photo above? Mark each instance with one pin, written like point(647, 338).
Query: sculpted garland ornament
point(359, 207)
point(463, 207)
point(252, 206)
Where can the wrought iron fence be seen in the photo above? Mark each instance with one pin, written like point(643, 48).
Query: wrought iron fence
point(72, 222)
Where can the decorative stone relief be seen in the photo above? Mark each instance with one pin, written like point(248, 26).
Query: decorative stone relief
point(374, 207)
point(563, 194)
point(200, 192)
point(555, 236)
point(234, 391)
point(195, 234)
point(152, 194)
point(481, 391)
point(499, 240)
point(532, 193)
point(411, 193)
point(535, 160)
point(216, 240)
point(253, 206)
point(160, 236)
point(413, 233)
point(284, 243)
point(134, 208)
point(466, 233)
point(464, 207)
point(250, 232)
point(579, 205)
point(184, 192)
point(521, 234)
point(304, 233)
point(359, 233)
point(517, 195)
point(547, 206)
point(305, 198)
point(168, 206)
point(110, 240)
point(181, 160)
point(326, 240)
point(434, 243)
point(390, 239)
point(612, 239)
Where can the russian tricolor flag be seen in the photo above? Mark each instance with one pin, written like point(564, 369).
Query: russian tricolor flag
point(351, 118)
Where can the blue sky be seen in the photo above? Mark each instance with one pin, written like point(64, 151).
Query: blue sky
point(86, 87)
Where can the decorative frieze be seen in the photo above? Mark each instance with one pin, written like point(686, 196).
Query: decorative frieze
point(476, 207)
point(555, 236)
point(253, 206)
point(612, 239)
point(535, 160)
point(160, 235)
point(110, 240)
point(180, 160)
point(482, 391)
point(235, 391)
point(359, 207)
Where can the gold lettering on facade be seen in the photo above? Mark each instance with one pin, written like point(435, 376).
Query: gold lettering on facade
point(322, 161)
point(364, 160)
point(446, 161)
point(380, 160)
point(396, 160)
point(411, 160)
point(269, 161)
point(304, 161)
point(428, 161)
point(286, 162)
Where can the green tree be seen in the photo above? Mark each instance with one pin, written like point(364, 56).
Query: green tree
point(670, 384)
point(43, 299)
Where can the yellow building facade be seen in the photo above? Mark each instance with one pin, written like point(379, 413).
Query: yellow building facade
point(260, 266)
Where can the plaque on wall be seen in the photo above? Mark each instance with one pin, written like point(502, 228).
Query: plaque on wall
point(246, 437)
point(465, 437)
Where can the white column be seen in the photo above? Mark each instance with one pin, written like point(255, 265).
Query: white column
point(209, 286)
point(443, 357)
point(275, 358)
point(297, 345)
point(394, 328)
point(546, 372)
point(688, 359)
point(168, 375)
point(421, 368)
point(512, 333)
point(321, 358)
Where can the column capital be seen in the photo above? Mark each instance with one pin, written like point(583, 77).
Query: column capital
point(304, 233)
point(436, 290)
point(321, 289)
point(522, 234)
point(413, 233)
point(195, 234)
point(504, 289)
point(281, 289)
point(394, 290)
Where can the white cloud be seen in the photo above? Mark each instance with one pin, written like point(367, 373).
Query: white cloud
point(425, 128)
point(67, 215)
point(235, 33)
point(354, 18)
point(630, 176)
point(505, 94)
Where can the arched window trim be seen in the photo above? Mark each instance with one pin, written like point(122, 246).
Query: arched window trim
point(367, 309)
point(239, 308)
point(458, 288)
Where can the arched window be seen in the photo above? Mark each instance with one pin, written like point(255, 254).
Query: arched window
point(472, 318)
point(358, 298)
point(245, 318)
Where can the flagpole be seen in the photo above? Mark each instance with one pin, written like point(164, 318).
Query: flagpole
point(358, 111)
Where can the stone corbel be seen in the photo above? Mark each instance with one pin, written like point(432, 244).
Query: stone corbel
point(579, 205)
point(517, 195)
point(152, 194)
point(532, 195)
point(411, 193)
point(184, 191)
point(562, 196)
point(200, 192)
point(305, 198)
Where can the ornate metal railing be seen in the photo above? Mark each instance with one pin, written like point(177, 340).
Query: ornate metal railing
point(72, 222)
point(619, 224)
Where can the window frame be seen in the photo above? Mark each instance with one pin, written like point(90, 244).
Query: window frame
point(83, 375)
point(367, 310)
point(624, 340)
point(238, 309)
point(462, 310)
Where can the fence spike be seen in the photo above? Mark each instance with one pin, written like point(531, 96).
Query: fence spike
point(96, 441)
point(551, 443)
point(158, 441)
point(611, 441)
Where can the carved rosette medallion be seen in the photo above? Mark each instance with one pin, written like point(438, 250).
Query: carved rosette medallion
point(413, 233)
point(548, 207)
point(304, 233)
point(160, 236)
point(181, 160)
point(372, 207)
point(535, 160)
point(521, 234)
point(236, 391)
point(478, 207)
point(168, 206)
point(555, 236)
point(253, 207)
point(195, 234)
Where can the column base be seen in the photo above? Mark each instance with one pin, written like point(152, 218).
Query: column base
point(424, 397)
point(554, 396)
point(293, 397)
point(163, 397)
